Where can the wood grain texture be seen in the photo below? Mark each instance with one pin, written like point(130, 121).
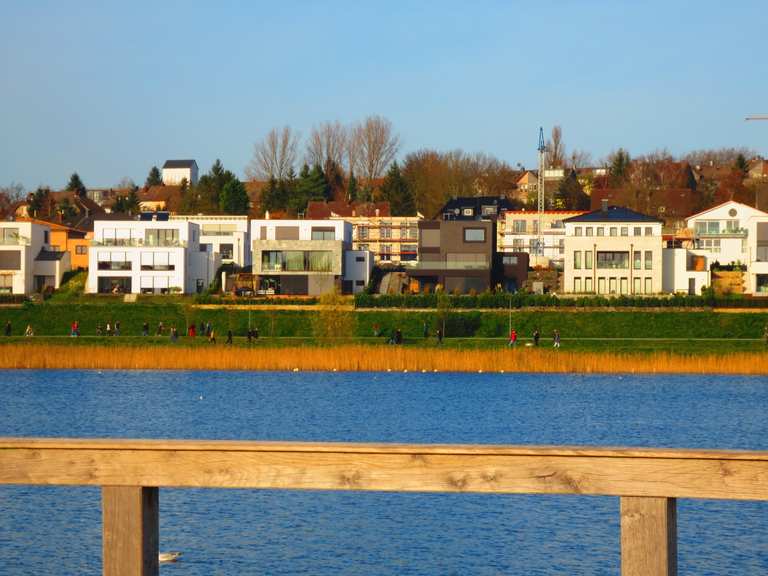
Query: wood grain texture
point(648, 536)
point(414, 468)
point(130, 531)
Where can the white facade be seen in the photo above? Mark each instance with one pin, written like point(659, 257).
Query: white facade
point(174, 171)
point(684, 271)
point(613, 251)
point(148, 257)
point(358, 265)
point(225, 235)
point(266, 229)
point(21, 243)
point(519, 232)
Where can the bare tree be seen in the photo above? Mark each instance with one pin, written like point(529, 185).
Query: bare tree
point(274, 156)
point(579, 159)
point(126, 183)
point(556, 149)
point(718, 156)
point(373, 147)
point(327, 145)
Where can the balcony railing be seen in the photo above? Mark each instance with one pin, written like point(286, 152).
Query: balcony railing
point(139, 243)
point(734, 233)
point(114, 266)
point(15, 241)
point(456, 265)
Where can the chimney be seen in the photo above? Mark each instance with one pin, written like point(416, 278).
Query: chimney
point(266, 215)
point(604, 205)
point(377, 211)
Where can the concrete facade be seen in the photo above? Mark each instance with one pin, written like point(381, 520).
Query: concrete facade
point(228, 236)
point(358, 265)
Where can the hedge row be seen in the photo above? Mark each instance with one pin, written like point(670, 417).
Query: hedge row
point(523, 300)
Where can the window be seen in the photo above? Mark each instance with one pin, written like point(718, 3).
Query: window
point(218, 229)
point(600, 231)
point(430, 237)
point(588, 260)
point(518, 244)
point(561, 246)
point(293, 261)
point(81, 250)
point(601, 285)
point(6, 283)
point(577, 260)
point(408, 252)
point(648, 286)
point(623, 286)
point(359, 282)
point(648, 260)
point(227, 251)
point(637, 231)
point(649, 231)
point(519, 226)
point(588, 231)
point(385, 232)
point(613, 230)
point(474, 234)
point(10, 260)
point(385, 253)
point(577, 231)
point(113, 261)
point(161, 237)
point(363, 247)
point(612, 285)
point(156, 261)
point(297, 261)
point(9, 236)
point(636, 288)
point(587, 284)
point(359, 258)
point(577, 285)
point(509, 260)
point(637, 258)
point(323, 234)
point(205, 247)
point(362, 232)
point(46, 237)
point(613, 260)
point(624, 231)
point(488, 210)
point(153, 284)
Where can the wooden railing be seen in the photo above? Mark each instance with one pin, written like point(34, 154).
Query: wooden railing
point(131, 471)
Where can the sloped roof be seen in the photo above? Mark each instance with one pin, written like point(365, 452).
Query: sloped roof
point(613, 214)
point(179, 164)
point(319, 210)
point(49, 256)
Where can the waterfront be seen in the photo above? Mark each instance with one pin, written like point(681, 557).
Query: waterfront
point(277, 532)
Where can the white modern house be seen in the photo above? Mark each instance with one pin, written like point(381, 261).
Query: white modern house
point(521, 234)
point(27, 262)
point(358, 265)
point(305, 257)
point(226, 235)
point(149, 255)
point(612, 250)
point(174, 171)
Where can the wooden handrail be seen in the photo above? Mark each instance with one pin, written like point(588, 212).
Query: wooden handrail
point(131, 471)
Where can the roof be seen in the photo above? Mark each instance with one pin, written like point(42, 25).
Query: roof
point(456, 206)
point(319, 210)
point(179, 164)
point(724, 204)
point(613, 214)
point(49, 256)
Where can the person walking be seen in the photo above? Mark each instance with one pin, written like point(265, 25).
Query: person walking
point(439, 335)
point(556, 339)
point(212, 336)
point(160, 328)
point(398, 336)
point(145, 329)
point(426, 330)
point(29, 331)
point(117, 328)
point(512, 338)
point(99, 330)
point(229, 336)
point(174, 334)
point(109, 329)
point(255, 332)
point(8, 328)
point(536, 336)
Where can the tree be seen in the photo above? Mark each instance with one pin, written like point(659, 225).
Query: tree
point(556, 149)
point(579, 159)
point(127, 203)
point(619, 163)
point(126, 183)
point(204, 196)
point(335, 179)
point(310, 186)
point(742, 165)
point(39, 202)
point(76, 185)
point(8, 196)
point(373, 146)
point(273, 156)
point(352, 191)
point(66, 209)
point(154, 178)
point(396, 191)
point(570, 195)
point(271, 197)
point(327, 145)
point(233, 198)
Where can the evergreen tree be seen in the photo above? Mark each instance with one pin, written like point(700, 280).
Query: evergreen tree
point(233, 198)
point(76, 185)
point(396, 191)
point(66, 209)
point(335, 180)
point(154, 178)
point(39, 202)
point(208, 189)
point(619, 167)
point(311, 185)
point(352, 191)
point(270, 197)
point(742, 165)
point(570, 194)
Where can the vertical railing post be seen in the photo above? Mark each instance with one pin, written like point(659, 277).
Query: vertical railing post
point(131, 530)
point(648, 536)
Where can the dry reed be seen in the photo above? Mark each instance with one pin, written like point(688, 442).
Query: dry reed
point(372, 358)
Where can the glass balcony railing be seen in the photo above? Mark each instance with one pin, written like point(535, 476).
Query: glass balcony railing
point(732, 233)
point(139, 243)
point(14, 241)
point(455, 265)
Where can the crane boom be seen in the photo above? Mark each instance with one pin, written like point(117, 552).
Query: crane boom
point(756, 117)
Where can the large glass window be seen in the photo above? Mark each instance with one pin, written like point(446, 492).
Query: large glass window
point(9, 235)
point(227, 251)
point(161, 237)
point(218, 229)
point(294, 261)
point(156, 261)
point(637, 259)
point(297, 261)
point(518, 226)
point(323, 234)
point(577, 260)
point(588, 259)
point(474, 234)
point(648, 260)
point(320, 261)
point(271, 260)
point(113, 261)
point(613, 260)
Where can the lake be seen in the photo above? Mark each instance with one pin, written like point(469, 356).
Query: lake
point(57, 530)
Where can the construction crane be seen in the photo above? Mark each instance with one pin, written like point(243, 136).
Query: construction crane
point(756, 117)
point(540, 189)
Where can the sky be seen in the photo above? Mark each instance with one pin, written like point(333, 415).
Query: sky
point(109, 89)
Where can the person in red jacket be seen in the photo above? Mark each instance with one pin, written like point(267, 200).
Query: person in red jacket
point(512, 337)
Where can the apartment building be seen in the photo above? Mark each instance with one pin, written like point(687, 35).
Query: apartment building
point(28, 263)
point(520, 233)
point(226, 235)
point(302, 257)
point(148, 255)
point(612, 250)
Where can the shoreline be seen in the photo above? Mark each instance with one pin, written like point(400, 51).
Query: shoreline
point(366, 358)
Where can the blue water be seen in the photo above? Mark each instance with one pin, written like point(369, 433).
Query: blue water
point(57, 530)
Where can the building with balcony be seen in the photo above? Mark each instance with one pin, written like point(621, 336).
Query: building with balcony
point(521, 234)
point(225, 235)
point(148, 255)
point(28, 263)
point(301, 257)
point(459, 255)
point(612, 250)
point(68, 239)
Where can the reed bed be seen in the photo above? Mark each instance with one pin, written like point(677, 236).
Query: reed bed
point(372, 358)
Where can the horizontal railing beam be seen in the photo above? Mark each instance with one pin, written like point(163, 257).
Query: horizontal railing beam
point(380, 467)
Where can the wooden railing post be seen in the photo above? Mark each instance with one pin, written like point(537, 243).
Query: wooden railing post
point(131, 530)
point(648, 536)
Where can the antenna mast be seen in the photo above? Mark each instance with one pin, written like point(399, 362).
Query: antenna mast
point(540, 188)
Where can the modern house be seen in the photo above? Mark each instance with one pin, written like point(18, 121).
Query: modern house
point(459, 255)
point(226, 235)
point(148, 255)
point(174, 171)
point(27, 262)
point(303, 257)
point(391, 239)
point(521, 234)
point(612, 250)
point(67, 239)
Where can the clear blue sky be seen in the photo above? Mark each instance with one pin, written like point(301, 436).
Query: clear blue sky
point(110, 88)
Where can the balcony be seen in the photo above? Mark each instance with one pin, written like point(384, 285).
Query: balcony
point(733, 233)
point(455, 265)
point(138, 243)
point(14, 241)
point(113, 266)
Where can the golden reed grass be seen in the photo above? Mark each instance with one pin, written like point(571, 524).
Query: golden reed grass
point(371, 358)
